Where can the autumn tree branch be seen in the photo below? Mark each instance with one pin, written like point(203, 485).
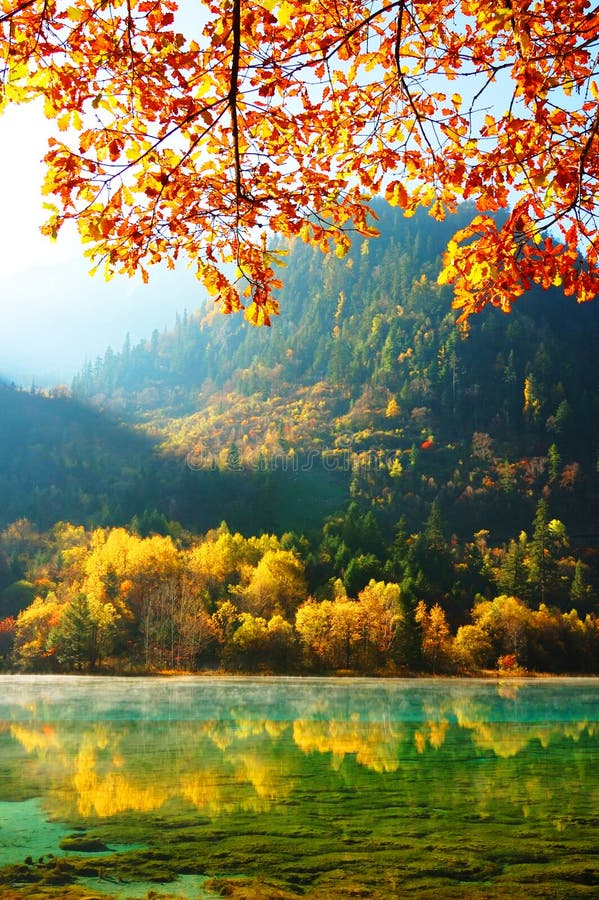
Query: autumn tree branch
point(18, 9)
point(233, 95)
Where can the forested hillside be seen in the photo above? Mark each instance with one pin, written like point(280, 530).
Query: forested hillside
point(368, 370)
point(381, 448)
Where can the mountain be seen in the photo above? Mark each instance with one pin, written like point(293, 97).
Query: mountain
point(366, 375)
point(62, 460)
point(363, 391)
point(362, 448)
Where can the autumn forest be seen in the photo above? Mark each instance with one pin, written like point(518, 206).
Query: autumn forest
point(364, 487)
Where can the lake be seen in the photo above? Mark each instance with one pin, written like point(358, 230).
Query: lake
point(298, 787)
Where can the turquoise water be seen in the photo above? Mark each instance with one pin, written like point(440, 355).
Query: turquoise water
point(283, 787)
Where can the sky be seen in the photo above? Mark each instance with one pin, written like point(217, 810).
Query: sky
point(53, 315)
point(23, 135)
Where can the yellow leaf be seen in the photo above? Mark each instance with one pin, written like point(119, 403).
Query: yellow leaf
point(396, 194)
point(132, 153)
point(284, 13)
point(524, 38)
point(13, 93)
point(478, 273)
point(256, 315)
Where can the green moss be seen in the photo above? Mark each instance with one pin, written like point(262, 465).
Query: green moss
point(83, 843)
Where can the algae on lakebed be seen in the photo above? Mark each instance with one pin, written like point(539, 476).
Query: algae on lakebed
point(284, 788)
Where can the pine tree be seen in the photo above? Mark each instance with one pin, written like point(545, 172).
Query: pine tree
point(554, 463)
point(541, 562)
point(407, 644)
point(397, 557)
point(512, 577)
point(581, 592)
point(433, 530)
point(74, 637)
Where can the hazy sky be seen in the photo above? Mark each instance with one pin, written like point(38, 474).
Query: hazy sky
point(53, 316)
point(23, 136)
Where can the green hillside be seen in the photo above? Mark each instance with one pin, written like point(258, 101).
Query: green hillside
point(366, 385)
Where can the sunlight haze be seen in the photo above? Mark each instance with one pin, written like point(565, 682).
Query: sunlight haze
point(24, 133)
point(54, 316)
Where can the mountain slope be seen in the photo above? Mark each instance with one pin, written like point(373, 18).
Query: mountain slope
point(366, 376)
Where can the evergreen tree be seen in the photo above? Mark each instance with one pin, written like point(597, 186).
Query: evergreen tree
point(581, 592)
point(433, 530)
point(360, 570)
point(539, 548)
point(541, 569)
point(554, 463)
point(74, 637)
point(512, 576)
point(430, 563)
point(397, 557)
point(407, 645)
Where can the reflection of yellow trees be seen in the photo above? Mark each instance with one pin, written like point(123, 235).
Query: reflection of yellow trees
point(109, 770)
point(433, 734)
point(112, 794)
point(249, 764)
point(507, 739)
point(265, 774)
point(221, 786)
point(205, 791)
point(34, 740)
point(224, 788)
point(373, 744)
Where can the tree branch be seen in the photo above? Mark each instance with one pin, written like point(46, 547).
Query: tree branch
point(233, 94)
point(14, 12)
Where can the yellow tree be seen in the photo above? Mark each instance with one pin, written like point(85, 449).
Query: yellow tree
point(507, 621)
point(381, 614)
point(222, 558)
point(345, 636)
point(105, 580)
point(290, 116)
point(437, 644)
point(32, 649)
point(473, 647)
point(313, 625)
point(276, 585)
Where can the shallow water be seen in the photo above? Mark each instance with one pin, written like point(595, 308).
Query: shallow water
point(284, 787)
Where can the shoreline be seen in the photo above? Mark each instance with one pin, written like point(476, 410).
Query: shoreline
point(486, 676)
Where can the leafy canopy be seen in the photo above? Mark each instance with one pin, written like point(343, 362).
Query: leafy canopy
point(289, 116)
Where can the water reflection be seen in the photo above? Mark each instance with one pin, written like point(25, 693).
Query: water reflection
point(417, 758)
point(137, 757)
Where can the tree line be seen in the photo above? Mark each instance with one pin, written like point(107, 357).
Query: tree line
point(110, 599)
